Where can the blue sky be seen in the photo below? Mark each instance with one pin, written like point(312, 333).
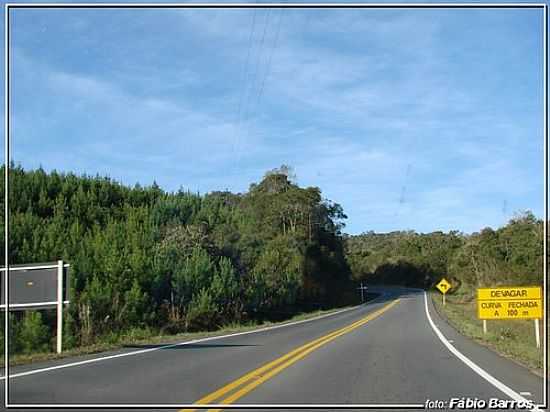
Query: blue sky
point(411, 119)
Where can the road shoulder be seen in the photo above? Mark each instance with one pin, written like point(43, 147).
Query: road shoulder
point(512, 374)
point(170, 341)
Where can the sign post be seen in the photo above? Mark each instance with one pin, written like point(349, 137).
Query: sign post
point(537, 332)
point(38, 286)
point(522, 302)
point(443, 287)
point(362, 288)
point(59, 306)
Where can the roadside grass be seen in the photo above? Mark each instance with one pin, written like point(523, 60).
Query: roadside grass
point(144, 338)
point(513, 339)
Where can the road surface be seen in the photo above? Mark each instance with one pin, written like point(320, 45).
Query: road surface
point(393, 350)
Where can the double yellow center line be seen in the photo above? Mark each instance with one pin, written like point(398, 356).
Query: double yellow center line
point(251, 380)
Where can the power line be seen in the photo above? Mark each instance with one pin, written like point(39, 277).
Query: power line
point(246, 66)
point(273, 47)
point(236, 139)
point(402, 198)
point(243, 126)
point(258, 60)
point(262, 83)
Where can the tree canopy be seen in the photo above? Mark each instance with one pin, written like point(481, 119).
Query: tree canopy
point(142, 257)
point(510, 255)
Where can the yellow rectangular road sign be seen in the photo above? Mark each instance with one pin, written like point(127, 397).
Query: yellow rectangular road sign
point(509, 293)
point(509, 303)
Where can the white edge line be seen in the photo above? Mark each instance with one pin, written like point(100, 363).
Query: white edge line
point(139, 352)
point(481, 372)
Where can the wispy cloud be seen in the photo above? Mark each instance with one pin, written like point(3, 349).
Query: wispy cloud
point(413, 120)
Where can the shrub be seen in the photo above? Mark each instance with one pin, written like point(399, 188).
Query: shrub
point(33, 335)
point(202, 312)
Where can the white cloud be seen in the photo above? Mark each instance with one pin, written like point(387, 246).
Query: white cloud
point(361, 104)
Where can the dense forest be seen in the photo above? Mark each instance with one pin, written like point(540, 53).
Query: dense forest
point(510, 255)
point(142, 258)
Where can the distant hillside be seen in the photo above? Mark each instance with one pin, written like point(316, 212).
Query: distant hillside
point(510, 255)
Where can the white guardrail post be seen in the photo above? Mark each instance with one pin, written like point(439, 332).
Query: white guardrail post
point(59, 306)
point(537, 333)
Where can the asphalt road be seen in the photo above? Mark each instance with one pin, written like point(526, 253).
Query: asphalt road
point(386, 352)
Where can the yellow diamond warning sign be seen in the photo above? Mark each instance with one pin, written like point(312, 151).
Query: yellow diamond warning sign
point(443, 286)
point(509, 303)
